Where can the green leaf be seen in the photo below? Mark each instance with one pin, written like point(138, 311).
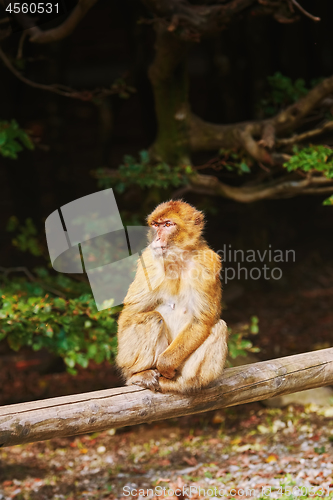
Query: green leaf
point(244, 168)
point(3, 137)
point(12, 139)
point(254, 328)
point(69, 362)
point(144, 156)
point(328, 201)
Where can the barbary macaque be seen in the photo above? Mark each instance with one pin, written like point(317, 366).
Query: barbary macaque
point(170, 335)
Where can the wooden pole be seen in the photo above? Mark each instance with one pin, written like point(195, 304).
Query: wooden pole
point(100, 410)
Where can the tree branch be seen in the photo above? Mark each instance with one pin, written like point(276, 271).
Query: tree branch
point(316, 19)
point(253, 147)
point(292, 117)
point(205, 136)
point(306, 135)
point(66, 28)
point(83, 95)
point(268, 136)
point(279, 188)
point(205, 19)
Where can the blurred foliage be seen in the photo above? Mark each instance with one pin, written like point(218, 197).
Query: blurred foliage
point(283, 92)
point(71, 328)
point(328, 201)
point(13, 139)
point(26, 238)
point(238, 162)
point(239, 344)
point(121, 87)
point(143, 173)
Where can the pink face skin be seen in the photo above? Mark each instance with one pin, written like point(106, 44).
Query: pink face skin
point(163, 228)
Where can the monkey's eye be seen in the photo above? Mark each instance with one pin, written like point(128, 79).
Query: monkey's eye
point(154, 224)
point(167, 224)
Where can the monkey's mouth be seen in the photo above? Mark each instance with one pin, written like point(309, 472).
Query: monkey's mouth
point(159, 249)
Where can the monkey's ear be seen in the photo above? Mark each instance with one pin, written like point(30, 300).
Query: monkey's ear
point(199, 219)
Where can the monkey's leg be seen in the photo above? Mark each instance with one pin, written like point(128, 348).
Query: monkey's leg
point(203, 366)
point(141, 339)
point(149, 379)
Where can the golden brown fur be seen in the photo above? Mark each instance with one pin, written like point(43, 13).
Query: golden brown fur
point(170, 336)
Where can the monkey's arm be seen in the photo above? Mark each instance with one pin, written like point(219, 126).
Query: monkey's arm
point(140, 296)
point(207, 310)
point(182, 346)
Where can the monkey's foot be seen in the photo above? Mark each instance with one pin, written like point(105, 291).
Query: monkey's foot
point(149, 379)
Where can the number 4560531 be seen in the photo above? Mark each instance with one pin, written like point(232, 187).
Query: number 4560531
point(32, 8)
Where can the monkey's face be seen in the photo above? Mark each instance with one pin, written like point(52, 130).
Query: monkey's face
point(163, 232)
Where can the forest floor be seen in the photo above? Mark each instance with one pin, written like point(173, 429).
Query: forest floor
point(246, 451)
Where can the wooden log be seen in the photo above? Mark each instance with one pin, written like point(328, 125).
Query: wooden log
point(101, 410)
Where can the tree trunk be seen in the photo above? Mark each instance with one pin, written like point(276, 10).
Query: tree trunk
point(169, 79)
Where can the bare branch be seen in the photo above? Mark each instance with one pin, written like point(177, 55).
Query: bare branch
point(205, 19)
point(21, 43)
point(305, 12)
point(315, 178)
point(57, 88)
point(253, 147)
point(66, 28)
point(316, 191)
point(197, 18)
point(292, 117)
point(268, 136)
point(306, 135)
point(279, 188)
point(205, 136)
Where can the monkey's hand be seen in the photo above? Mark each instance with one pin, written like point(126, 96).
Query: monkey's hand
point(164, 366)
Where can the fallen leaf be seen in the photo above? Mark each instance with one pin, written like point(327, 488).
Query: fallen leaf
point(190, 461)
point(271, 458)
point(162, 480)
point(164, 462)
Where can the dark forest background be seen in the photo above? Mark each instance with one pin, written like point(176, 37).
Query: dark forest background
point(228, 78)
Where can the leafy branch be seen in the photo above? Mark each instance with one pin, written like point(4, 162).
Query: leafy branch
point(283, 91)
point(239, 344)
point(70, 328)
point(13, 139)
point(143, 173)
